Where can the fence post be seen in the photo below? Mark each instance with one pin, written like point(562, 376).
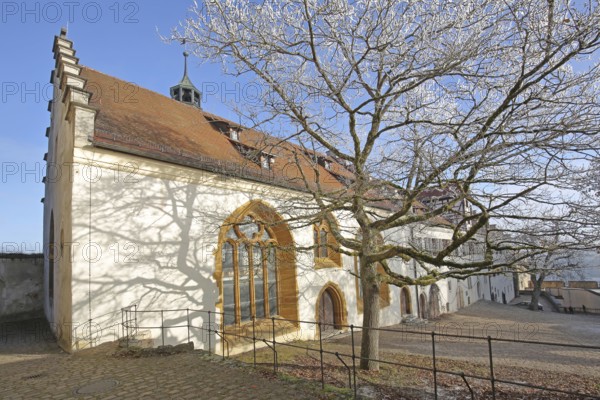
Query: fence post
point(321, 351)
point(188, 323)
point(122, 321)
point(162, 326)
point(254, 338)
point(435, 388)
point(353, 359)
point(135, 318)
point(492, 379)
point(209, 334)
point(128, 322)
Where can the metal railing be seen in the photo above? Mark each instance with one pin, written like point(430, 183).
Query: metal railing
point(578, 310)
point(254, 331)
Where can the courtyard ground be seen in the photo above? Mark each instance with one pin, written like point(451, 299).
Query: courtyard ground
point(33, 367)
point(509, 322)
point(534, 363)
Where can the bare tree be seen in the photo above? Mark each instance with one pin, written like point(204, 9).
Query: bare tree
point(496, 100)
point(551, 253)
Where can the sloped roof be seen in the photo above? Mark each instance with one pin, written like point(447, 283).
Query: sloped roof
point(439, 193)
point(138, 121)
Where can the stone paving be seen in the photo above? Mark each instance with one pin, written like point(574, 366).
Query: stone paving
point(32, 367)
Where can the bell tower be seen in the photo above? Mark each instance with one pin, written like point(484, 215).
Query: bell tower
point(185, 91)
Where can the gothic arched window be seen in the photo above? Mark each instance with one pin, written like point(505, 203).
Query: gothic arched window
point(249, 262)
point(325, 245)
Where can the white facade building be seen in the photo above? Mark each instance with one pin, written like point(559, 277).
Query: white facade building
point(152, 202)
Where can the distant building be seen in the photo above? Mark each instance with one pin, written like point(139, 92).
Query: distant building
point(437, 197)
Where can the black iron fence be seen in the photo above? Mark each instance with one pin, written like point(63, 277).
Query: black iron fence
point(276, 333)
point(579, 310)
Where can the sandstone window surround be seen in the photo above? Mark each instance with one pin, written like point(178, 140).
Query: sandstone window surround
point(325, 246)
point(250, 275)
point(384, 289)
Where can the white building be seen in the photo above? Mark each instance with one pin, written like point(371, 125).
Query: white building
point(152, 202)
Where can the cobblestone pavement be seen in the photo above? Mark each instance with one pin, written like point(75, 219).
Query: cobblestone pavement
point(32, 367)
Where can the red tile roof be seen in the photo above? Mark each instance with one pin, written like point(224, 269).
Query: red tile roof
point(138, 121)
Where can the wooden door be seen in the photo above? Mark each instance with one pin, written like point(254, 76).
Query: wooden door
point(326, 311)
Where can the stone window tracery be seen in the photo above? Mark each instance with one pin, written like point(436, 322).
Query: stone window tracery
point(250, 276)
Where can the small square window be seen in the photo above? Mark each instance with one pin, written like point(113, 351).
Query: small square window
point(265, 162)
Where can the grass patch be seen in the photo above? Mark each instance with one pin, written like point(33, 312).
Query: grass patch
point(302, 361)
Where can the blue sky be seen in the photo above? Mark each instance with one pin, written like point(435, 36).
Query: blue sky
point(117, 37)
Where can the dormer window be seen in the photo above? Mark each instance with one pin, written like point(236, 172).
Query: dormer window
point(322, 161)
point(234, 134)
point(266, 161)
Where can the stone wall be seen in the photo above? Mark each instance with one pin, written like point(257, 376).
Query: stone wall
point(577, 298)
point(583, 284)
point(21, 285)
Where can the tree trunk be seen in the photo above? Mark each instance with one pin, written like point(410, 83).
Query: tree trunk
point(537, 291)
point(369, 349)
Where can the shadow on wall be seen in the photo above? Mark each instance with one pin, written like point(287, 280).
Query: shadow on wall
point(154, 243)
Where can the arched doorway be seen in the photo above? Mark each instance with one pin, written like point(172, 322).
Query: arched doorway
point(405, 301)
point(434, 301)
point(331, 308)
point(423, 306)
point(256, 267)
point(326, 310)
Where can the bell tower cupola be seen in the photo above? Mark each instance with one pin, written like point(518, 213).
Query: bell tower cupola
point(185, 91)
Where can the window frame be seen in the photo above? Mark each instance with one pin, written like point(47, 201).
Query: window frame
point(257, 241)
point(265, 161)
point(325, 255)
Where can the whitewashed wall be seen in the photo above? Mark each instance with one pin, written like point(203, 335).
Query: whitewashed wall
point(154, 234)
point(153, 229)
